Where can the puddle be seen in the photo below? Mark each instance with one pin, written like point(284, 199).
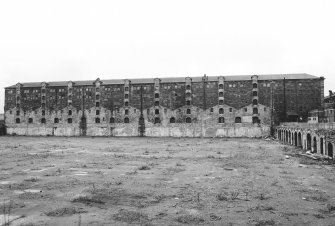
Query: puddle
point(81, 173)
point(7, 182)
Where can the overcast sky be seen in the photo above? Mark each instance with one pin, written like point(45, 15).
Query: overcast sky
point(79, 40)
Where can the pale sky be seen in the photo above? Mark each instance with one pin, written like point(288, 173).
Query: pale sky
point(83, 40)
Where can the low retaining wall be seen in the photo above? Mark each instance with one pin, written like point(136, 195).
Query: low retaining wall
point(123, 130)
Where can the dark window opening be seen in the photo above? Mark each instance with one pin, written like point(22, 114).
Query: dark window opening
point(126, 112)
point(97, 120)
point(188, 87)
point(97, 104)
point(220, 86)
point(112, 120)
point(30, 120)
point(18, 105)
point(238, 120)
point(221, 111)
point(157, 120)
point(255, 120)
point(172, 120)
point(188, 120)
point(188, 111)
point(220, 94)
point(230, 110)
point(255, 110)
point(69, 120)
point(126, 120)
point(212, 110)
point(17, 120)
point(126, 96)
point(156, 103)
point(43, 120)
point(17, 112)
point(156, 95)
point(126, 103)
point(188, 94)
point(97, 112)
point(43, 112)
point(254, 85)
point(126, 88)
point(43, 97)
point(221, 119)
point(56, 120)
point(254, 93)
point(188, 103)
point(220, 102)
point(156, 111)
point(97, 97)
point(254, 102)
point(70, 112)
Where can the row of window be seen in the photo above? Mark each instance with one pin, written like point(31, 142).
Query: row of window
point(126, 120)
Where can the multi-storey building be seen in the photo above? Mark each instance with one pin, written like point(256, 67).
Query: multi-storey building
point(183, 106)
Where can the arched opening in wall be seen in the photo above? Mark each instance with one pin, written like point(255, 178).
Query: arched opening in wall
point(156, 95)
point(70, 112)
point(30, 120)
point(43, 112)
point(315, 145)
point(254, 93)
point(255, 120)
point(295, 139)
point(126, 103)
point(126, 120)
point(221, 111)
point(221, 119)
point(126, 112)
point(254, 85)
point(220, 94)
point(330, 150)
point(126, 96)
point(188, 111)
point(156, 111)
point(97, 120)
point(17, 120)
point(255, 110)
point(112, 120)
point(321, 146)
point(309, 142)
point(188, 120)
point(69, 120)
point(43, 120)
point(97, 104)
point(188, 87)
point(254, 101)
point(56, 120)
point(220, 86)
point(220, 102)
point(188, 103)
point(157, 120)
point(156, 103)
point(97, 112)
point(238, 120)
point(299, 140)
point(172, 120)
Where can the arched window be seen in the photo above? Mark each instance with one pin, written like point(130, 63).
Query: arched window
point(255, 110)
point(255, 102)
point(220, 94)
point(156, 95)
point(69, 120)
point(254, 85)
point(188, 111)
point(156, 111)
point(30, 120)
point(17, 120)
point(17, 112)
point(238, 120)
point(126, 112)
point(43, 112)
point(221, 111)
point(70, 112)
point(188, 103)
point(172, 120)
point(221, 119)
point(43, 120)
point(156, 103)
point(126, 96)
point(188, 87)
point(126, 103)
point(220, 102)
point(97, 112)
point(56, 120)
point(97, 120)
point(220, 86)
point(97, 104)
point(255, 120)
point(254, 93)
point(157, 120)
point(126, 120)
point(188, 120)
point(112, 120)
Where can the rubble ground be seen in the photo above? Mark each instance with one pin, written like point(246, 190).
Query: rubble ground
point(161, 181)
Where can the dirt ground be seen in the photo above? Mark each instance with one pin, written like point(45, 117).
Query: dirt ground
point(161, 181)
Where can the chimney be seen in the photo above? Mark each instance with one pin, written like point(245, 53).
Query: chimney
point(330, 93)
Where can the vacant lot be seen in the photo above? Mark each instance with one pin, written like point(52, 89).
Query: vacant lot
point(161, 181)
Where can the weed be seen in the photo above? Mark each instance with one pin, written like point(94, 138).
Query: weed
point(64, 211)
point(144, 167)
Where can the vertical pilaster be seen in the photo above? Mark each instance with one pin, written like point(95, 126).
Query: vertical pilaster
point(157, 99)
point(255, 114)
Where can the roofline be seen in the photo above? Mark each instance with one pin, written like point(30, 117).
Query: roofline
point(173, 79)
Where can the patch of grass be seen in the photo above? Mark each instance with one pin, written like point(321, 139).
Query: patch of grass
point(64, 211)
point(88, 200)
point(190, 219)
point(265, 222)
point(144, 167)
point(131, 217)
